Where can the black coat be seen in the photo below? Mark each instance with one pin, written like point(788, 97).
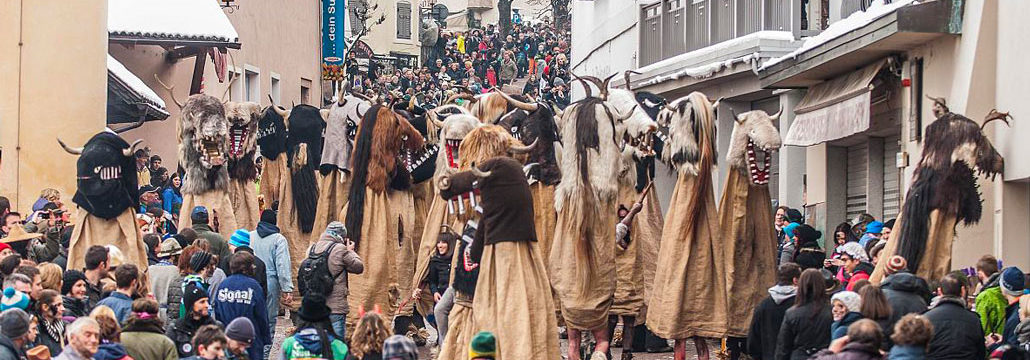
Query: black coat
point(439, 273)
point(804, 332)
point(765, 327)
point(259, 268)
point(810, 256)
point(904, 294)
point(957, 333)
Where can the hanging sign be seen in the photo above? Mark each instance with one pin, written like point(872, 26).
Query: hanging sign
point(333, 13)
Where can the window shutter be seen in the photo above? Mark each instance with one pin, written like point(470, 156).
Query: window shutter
point(403, 20)
point(355, 23)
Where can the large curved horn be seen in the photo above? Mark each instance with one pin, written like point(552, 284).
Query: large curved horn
point(715, 105)
point(623, 117)
point(436, 120)
point(282, 112)
point(586, 87)
point(479, 173)
point(521, 105)
point(454, 97)
point(668, 106)
point(995, 115)
point(625, 76)
point(170, 92)
point(735, 116)
point(132, 148)
point(339, 96)
point(69, 149)
point(776, 116)
point(604, 86)
point(517, 149)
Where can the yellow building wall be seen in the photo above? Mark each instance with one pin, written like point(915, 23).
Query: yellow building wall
point(53, 82)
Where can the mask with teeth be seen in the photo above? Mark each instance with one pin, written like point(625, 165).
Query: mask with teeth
point(752, 143)
point(204, 144)
point(536, 126)
point(243, 121)
point(105, 176)
point(454, 129)
point(421, 162)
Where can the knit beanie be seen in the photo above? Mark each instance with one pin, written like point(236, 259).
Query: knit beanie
point(854, 250)
point(14, 323)
point(896, 263)
point(399, 347)
point(483, 346)
point(789, 229)
point(240, 329)
point(1012, 281)
point(192, 294)
point(268, 216)
point(874, 227)
point(336, 231)
point(806, 234)
point(200, 260)
point(851, 300)
point(14, 299)
point(794, 216)
point(240, 238)
point(70, 278)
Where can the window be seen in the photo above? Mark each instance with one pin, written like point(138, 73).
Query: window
point(237, 91)
point(274, 89)
point(404, 20)
point(305, 91)
point(356, 6)
point(252, 83)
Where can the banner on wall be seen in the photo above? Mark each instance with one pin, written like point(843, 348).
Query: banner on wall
point(333, 45)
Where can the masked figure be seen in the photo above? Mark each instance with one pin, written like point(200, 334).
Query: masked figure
point(300, 189)
point(203, 152)
point(243, 121)
point(334, 167)
point(271, 139)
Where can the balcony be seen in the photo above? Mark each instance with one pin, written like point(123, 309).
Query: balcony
point(672, 27)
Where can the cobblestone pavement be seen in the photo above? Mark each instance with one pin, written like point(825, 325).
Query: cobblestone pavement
point(283, 325)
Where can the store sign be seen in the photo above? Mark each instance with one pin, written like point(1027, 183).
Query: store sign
point(333, 14)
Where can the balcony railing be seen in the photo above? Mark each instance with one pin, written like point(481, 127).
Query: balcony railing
point(672, 27)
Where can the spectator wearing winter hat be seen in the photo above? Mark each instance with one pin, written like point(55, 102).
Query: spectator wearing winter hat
point(483, 346)
point(195, 300)
point(144, 333)
point(1012, 285)
point(240, 296)
point(856, 263)
point(239, 242)
point(165, 271)
point(219, 246)
point(872, 233)
point(788, 247)
point(906, 293)
point(241, 335)
point(273, 250)
point(342, 260)
point(314, 337)
point(73, 289)
point(15, 326)
point(399, 347)
point(14, 299)
point(847, 307)
point(809, 254)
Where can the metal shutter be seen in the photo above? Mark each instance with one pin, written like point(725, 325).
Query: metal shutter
point(891, 177)
point(403, 20)
point(857, 174)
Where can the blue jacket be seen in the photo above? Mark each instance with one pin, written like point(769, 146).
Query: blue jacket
point(171, 201)
point(271, 247)
point(240, 295)
point(120, 303)
point(840, 328)
point(906, 352)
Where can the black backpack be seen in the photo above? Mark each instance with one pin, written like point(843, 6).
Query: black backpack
point(314, 275)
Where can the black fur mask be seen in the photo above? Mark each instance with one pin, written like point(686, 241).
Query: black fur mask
point(423, 161)
point(271, 136)
point(306, 127)
point(106, 178)
point(538, 126)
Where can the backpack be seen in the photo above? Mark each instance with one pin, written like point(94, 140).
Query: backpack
point(314, 275)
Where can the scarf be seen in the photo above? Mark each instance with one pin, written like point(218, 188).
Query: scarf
point(942, 299)
point(55, 329)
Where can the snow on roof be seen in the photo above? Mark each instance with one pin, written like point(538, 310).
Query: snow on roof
point(132, 81)
point(708, 51)
point(170, 19)
point(856, 20)
point(703, 71)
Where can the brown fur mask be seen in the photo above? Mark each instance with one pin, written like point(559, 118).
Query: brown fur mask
point(203, 144)
point(243, 120)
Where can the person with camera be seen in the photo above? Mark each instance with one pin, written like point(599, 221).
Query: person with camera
point(51, 221)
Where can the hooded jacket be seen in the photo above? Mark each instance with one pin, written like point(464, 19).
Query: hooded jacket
point(851, 351)
point(955, 331)
point(8, 351)
point(307, 344)
point(181, 332)
point(990, 305)
point(341, 262)
point(905, 294)
point(804, 332)
point(861, 272)
point(271, 247)
point(765, 324)
point(240, 295)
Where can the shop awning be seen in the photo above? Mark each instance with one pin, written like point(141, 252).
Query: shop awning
point(129, 100)
point(834, 109)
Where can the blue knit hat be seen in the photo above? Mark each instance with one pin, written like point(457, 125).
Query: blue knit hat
point(789, 229)
point(240, 238)
point(1012, 281)
point(14, 299)
point(874, 227)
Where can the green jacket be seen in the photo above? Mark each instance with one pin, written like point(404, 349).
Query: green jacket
point(149, 344)
point(990, 305)
point(306, 345)
point(218, 245)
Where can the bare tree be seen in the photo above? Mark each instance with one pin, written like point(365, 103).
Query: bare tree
point(559, 10)
point(363, 14)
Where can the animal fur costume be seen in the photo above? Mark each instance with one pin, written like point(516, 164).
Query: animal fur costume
point(745, 218)
point(243, 120)
point(380, 213)
point(583, 253)
point(944, 192)
point(203, 152)
point(334, 166)
point(421, 164)
point(689, 295)
point(512, 275)
point(107, 196)
point(271, 139)
point(452, 131)
point(300, 185)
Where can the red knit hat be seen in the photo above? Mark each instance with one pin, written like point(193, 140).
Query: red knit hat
point(896, 263)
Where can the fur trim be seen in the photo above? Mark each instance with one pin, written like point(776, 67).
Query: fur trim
point(590, 155)
point(483, 143)
point(203, 128)
point(755, 126)
point(243, 122)
point(685, 125)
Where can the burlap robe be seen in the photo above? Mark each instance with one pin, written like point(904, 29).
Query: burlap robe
point(243, 196)
point(423, 195)
point(272, 182)
point(122, 232)
point(332, 197)
point(219, 210)
point(635, 266)
point(386, 249)
point(689, 295)
point(749, 240)
point(583, 263)
point(290, 228)
point(437, 216)
point(513, 301)
point(936, 261)
point(544, 217)
point(461, 327)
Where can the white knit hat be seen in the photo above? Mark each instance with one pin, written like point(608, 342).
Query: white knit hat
point(854, 250)
point(851, 300)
